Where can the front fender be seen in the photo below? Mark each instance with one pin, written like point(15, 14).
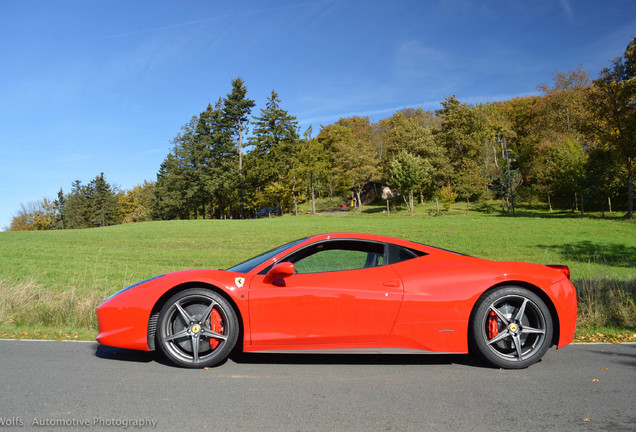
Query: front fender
point(123, 318)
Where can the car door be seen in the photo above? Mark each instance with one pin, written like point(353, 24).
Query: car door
point(341, 293)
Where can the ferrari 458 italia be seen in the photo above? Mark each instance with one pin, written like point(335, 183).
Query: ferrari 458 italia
point(348, 293)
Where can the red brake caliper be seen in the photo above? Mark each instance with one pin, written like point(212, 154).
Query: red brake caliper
point(493, 325)
point(216, 324)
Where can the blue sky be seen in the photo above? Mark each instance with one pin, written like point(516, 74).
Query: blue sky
point(89, 87)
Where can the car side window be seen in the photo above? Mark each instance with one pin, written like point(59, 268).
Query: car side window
point(399, 254)
point(338, 255)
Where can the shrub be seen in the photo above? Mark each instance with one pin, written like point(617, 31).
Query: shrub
point(447, 196)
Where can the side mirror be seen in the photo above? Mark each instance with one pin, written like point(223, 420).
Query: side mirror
point(283, 269)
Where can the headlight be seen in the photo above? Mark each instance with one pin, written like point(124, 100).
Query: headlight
point(132, 286)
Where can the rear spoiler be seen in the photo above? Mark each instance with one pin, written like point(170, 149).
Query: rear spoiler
point(562, 268)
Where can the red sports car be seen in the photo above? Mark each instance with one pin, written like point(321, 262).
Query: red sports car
point(348, 293)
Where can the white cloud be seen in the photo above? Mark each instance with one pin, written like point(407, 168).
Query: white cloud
point(568, 13)
point(416, 60)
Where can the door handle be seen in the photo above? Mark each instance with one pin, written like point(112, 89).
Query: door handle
point(392, 284)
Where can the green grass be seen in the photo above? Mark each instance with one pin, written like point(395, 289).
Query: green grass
point(605, 334)
point(54, 279)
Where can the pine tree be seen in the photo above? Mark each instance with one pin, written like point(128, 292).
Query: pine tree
point(75, 208)
point(236, 110)
point(219, 158)
point(174, 196)
point(273, 145)
point(103, 203)
point(60, 210)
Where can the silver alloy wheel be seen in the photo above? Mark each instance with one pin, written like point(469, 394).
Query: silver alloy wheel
point(511, 327)
point(197, 328)
point(521, 328)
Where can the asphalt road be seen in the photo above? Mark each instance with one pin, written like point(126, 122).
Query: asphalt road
point(68, 385)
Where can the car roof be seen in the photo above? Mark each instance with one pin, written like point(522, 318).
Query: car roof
point(376, 237)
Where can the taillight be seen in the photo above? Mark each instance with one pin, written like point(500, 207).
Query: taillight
point(562, 268)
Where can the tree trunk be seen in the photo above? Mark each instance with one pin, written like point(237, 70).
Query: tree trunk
point(467, 203)
point(609, 204)
point(582, 214)
point(436, 206)
point(294, 195)
point(602, 209)
point(630, 194)
point(575, 204)
point(512, 203)
point(411, 202)
point(359, 203)
point(494, 150)
point(313, 196)
point(240, 152)
point(549, 203)
point(387, 207)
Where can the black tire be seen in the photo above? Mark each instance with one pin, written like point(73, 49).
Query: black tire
point(197, 328)
point(511, 327)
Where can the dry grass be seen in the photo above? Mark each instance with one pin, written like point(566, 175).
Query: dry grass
point(27, 304)
point(606, 302)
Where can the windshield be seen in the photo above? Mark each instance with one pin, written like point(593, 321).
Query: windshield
point(251, 263)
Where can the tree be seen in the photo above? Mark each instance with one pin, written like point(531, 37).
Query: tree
point(406, 174)
point(427, 119)
point(136, 204)
point(218, 159)
point(173, 197)
point(273, 145)
point(567, 161)
point(103, 206)
point(92, 205)
point(526, 134)
point(556, 121)
point(354, 157)
point(464, 133)
point(312, 164)
point(411, 135)
point(76, 212)
point(604, 175)
point(613, 101)
point(60, 210)
point(563, 106)
point(204, 170)
point(402, 134)
point(34, 216)
point(236, 110)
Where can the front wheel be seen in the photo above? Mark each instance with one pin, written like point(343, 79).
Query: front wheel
point(511, 327)
point(197, 328)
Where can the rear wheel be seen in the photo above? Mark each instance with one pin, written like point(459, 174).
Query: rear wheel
point(197, 328)
point(511, 327)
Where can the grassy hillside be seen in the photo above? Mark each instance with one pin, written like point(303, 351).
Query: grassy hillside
point(52, 280)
